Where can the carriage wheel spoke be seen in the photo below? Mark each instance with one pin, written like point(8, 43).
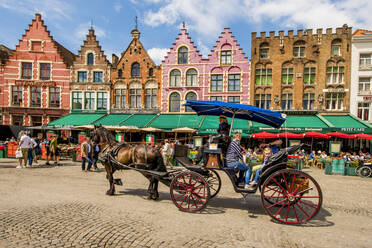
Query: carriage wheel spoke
point(289, 207)
point(275, 197)
point(183, 200)
point(305, 190)
point(182, 185)
point(299, 206)
point(285, 180)
point(293, 182)
point(196, 205)
point(306, 203)
point(277, 203)
point(279, 210)
point(308, 196)
point(294, 209)
point(273, 190)
point(199, 197)
point(300, 185)
point(279, 184)
point(184, 180)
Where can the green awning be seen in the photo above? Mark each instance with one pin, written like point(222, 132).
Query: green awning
point(72, 120)
point(211, 123)
point(138, 120)
point(112, 119)
point(295, 124)
point(348, 124)
point(167, 122)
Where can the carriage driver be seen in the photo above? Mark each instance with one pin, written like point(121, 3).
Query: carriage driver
point(234, 159)
point(224, 127)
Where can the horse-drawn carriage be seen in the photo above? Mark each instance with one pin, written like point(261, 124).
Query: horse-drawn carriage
point(288, 195)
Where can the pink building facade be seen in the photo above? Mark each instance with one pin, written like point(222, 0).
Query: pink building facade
point(223, 76)
point(35, 84)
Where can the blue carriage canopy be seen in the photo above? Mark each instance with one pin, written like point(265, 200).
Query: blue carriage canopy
point(235, 110)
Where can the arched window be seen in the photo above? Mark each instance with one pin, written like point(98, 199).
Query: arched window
point(151, 72)
point(191, 77)
point(264, 50)
point(135, 95)
point(174, 102)
point(183, 53)
point(90, 59)
point(190, 96)
point(136, 70)
point(120, 73)
point(336, 47)
point(299, 49)
point(151, 95)
point(175, 78)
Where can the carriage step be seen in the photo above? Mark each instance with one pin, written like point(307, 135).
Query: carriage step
point(118, 181)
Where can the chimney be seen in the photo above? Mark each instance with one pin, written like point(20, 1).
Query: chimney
point(115, 60)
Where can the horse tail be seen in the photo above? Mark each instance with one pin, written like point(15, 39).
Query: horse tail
point(160, 166)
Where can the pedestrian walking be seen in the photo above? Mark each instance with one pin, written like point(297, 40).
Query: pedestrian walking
point(31, 152)
point(96, 151)
point(37, 148)
point(54, 151)
point(166, 152)
point(86, 154)
point(23, 145)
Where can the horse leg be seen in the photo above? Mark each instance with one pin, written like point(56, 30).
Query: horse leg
point(150, 189)
point(155, 194)
point(110, 178)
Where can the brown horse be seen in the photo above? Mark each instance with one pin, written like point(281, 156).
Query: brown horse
point(137, 156)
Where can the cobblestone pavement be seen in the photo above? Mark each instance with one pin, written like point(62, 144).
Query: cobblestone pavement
point(63, 207)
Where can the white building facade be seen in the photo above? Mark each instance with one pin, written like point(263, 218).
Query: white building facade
point(361, 75)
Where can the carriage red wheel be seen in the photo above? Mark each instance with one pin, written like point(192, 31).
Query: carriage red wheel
point(291, 196)
point(190, 191)
point(214, 182)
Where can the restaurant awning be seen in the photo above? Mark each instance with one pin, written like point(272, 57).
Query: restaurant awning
point(210, 125)
point(348, 124)
point(112, 119)
point(167, 122)
point(139, 120)
point(72, 120)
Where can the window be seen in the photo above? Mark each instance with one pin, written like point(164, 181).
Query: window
point(234, 82)
point(308, 101)
point(335, 75)
point(89, 100)
point(287, 101)
point(287, 75)
point(26, 70)
point(136, 70)
point(120, 73)
point(101, 100)
point(183, 55)
point(35, 96)
point(336, 47)
point(16, 95)
point(309, 75)
point(175, 78)
point(97, 77)
point(263, 76)
point(364, 85)
point(90, 59)
point(233, 99)
point(262, 100)
point(82, 76)
point(299, 49)
point(174, 102)
point(120, 98)
point(365, 61)
point(334, 101)
point(36, 46)
point(216, 98)
point(17, 120)
point(77, 100)
point(135, 98)
point(36, 120)
point(264, 51)
point(363, 110)
point(151, 72)
point(190, 96)
point(216, 82)
point(54, 97)
point(151, 98)
point(191, 77)
point(226, 57)
point(44, 71)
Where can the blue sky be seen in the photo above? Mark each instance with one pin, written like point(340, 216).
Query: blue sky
point(160, 20)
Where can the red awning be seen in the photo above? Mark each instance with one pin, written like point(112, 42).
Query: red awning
point(264, 135)
point(291, 135)
point(341, 135)
point(363, 136)
point(316, 135)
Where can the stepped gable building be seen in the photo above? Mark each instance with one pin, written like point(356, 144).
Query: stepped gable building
point(5, 52)
point(223, 76)
point(90, 78)
point(303, 72)
point(35, 88)
point(135, 80)
point(361, 75)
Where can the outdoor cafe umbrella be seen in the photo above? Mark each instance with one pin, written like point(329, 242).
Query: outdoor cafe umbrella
point(84, 127)
point(241, 111)
point(264, 135)
point(290, 135)
point(183, 130)
point(363, 136)
point(151, 129)
point(341, 135)
point(122, 128)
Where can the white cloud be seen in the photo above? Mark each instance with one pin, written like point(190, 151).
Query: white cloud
point(208, 17)
point(52, 9)
point(118, 7)
point(204, 50)
point(157, 54)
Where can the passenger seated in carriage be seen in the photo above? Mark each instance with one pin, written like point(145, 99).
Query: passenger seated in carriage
point(267, 153)
point(234, 159)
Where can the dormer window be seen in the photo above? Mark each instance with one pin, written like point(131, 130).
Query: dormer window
point(136, 70)
point(264, 50)
point(183, 53)
point(90, 59)
point(226, 57)
point(336, 47)
point(299, 49)
point(120, 73)
point(151, 72)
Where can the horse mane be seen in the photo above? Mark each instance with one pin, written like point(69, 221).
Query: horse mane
point(107, 136)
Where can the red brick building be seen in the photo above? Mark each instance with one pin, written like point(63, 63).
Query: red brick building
point(35, 84)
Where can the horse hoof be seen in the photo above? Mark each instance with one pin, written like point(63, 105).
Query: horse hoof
point(149, 197)
point(155, 197)
point(109, 192)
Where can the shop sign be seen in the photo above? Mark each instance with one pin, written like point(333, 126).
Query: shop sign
point(353, 129)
